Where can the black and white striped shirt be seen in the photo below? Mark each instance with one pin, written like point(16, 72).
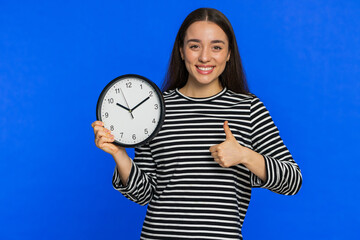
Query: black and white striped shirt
point(191, 196)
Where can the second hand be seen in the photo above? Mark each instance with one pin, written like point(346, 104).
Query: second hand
point(127, 103)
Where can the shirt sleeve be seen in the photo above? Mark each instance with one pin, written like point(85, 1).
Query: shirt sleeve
point(283, 174)
point(141, 183)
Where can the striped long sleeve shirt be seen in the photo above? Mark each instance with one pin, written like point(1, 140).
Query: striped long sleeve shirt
point(189, 195)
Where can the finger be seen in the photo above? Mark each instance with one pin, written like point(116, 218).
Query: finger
point(227, 130)
point(219, 162)
point(101, 129)
point(97, 123)
point(98, 128)
point(108, 147)
point(215, 155)
point(102, 133)
point(213, 148)
point(104, 142)
point(104, 139)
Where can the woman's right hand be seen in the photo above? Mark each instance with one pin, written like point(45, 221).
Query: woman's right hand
point(104, 139)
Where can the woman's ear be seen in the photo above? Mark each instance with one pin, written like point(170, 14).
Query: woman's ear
point(228, 56)
point(182, 53)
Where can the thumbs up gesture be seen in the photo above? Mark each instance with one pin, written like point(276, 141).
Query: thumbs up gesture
point(230, 152)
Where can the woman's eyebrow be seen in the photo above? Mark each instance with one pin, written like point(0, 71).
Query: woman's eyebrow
point(218, 41)
point(193, 40)
point(198, 40)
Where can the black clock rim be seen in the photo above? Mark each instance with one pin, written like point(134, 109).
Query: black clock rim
point(162, 106)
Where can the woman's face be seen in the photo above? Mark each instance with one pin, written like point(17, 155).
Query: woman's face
point(205, 52)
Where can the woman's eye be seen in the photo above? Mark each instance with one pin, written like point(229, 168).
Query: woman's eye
point(194, 46)
point(217, 48)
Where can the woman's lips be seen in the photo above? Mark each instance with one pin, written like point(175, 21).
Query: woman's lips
point(204, 69)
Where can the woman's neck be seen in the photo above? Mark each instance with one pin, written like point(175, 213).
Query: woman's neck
point(194, 90)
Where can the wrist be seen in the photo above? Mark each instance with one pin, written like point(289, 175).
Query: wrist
point(119, 154)
point(249, 156)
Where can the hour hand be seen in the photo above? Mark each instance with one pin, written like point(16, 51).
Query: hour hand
point(123, 107)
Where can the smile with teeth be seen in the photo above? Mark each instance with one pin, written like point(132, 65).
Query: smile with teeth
point(204, 69)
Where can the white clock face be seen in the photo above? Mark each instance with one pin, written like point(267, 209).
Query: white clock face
point(131, 109)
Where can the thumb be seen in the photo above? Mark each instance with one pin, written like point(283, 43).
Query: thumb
point(227, 130)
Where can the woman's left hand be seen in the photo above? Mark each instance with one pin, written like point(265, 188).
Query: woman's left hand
point(230, 152)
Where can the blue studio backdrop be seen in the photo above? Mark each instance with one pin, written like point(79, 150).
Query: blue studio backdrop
point(302, 58)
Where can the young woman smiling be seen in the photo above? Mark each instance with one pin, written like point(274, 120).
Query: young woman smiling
point(217, 142)
point(205, 52)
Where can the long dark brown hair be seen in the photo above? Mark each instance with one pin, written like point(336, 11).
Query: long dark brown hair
point(233, 76)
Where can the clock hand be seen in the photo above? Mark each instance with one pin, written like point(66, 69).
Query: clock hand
point(126, 103)
point(140, 103)
point(123, 107)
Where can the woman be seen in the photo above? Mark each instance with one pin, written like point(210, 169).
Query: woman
point(217, 142)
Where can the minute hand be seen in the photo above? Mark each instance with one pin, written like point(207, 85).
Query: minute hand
point(139, 103)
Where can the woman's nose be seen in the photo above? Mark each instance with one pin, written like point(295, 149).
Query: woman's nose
point(205, 55)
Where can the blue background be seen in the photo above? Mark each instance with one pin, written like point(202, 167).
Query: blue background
point(302, 58)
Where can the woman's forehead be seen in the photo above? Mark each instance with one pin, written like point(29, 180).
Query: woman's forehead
point(204, 31)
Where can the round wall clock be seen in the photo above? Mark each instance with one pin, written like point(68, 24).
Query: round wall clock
point(132, 108)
